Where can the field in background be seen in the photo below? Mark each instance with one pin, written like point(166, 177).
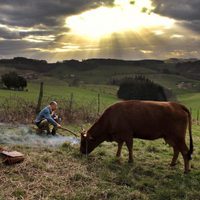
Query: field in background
point(95, 76)
point(192, 101)
point(76, 104)
point(56, 89)
point(87, 94)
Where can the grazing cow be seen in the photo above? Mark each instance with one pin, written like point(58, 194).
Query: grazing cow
point(147, 120)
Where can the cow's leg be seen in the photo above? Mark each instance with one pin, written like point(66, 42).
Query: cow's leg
point(120, 144)
point(184, 151)
point(175, 156)
point(129, 145)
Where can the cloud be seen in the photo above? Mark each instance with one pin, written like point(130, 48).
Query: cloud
point(178, 9)
point(37, 29)
point(193, 25)
point(13, 34)
point(28, 20)
point(19, 47)
point(129, 46)
point(5, 33)
point(186, 12)
point(46, 12)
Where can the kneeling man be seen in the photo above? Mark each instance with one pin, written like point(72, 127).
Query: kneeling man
point(46, 117)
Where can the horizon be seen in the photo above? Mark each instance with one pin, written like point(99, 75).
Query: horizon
point(96, 58)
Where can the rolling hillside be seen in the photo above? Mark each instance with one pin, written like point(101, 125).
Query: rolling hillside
point(96, 76)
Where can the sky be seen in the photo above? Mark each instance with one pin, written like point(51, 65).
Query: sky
point(57, 30)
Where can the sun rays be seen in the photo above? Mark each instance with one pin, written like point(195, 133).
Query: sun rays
point(124, 16)
point(123, 29)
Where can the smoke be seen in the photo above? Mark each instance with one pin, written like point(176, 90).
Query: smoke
point(24, 135)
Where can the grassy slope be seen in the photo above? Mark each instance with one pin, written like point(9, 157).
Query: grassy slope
point(58, 89)
point(65, 174)
point(101, 74)
point(55, 89)
point(192, 101)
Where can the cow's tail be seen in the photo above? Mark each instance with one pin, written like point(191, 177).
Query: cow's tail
point(190, 133)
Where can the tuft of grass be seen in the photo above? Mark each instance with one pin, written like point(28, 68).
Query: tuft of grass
point(19, 193)
point(152, 149)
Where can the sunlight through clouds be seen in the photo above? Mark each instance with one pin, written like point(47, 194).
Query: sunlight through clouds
point(81, 29)
point(123, 16)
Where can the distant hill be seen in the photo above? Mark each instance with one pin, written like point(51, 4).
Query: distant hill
point(106, 71)
point(189, 69)
point(180, 60)
point(22, 63)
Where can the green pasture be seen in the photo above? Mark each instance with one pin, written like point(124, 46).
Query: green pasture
point(192, 101)
point(88, 93)
point(59, 90)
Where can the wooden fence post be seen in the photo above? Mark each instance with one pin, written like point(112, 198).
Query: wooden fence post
point(71, 102)
point(98, 104)
point(40, 98)
point(197, 116)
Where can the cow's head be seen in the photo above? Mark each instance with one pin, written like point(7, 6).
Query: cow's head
point(88, 143)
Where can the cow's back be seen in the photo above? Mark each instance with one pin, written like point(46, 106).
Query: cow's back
point(145, 119)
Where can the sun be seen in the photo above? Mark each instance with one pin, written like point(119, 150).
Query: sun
point(123, 16)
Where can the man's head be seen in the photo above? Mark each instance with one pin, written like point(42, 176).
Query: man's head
point(53, 105)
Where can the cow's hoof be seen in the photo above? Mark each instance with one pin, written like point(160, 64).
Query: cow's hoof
point(173, 164)
point(118, 161)
point(187, 171)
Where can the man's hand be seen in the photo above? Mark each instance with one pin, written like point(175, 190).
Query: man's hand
point(59, 126)
point(55, 117)
point(53, 113)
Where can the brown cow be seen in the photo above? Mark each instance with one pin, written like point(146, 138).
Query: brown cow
point(148, 120)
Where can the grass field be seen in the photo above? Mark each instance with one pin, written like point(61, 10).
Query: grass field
point(102, 74)
point(55, 89)
point(63, 173)
point(192, 101)
point(88, 93)
point(75, 103)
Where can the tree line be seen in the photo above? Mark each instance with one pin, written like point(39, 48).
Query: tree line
point(142, 88)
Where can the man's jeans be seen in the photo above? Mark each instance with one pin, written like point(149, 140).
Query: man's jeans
point(45, 126)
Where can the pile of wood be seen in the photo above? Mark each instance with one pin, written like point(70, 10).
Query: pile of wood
point(11, 157)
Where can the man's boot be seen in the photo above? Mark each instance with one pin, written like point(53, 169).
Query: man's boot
point(39, 131)
point(53, 132)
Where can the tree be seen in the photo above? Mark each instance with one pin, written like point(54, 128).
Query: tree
point(22, 82)
point(140, 88)
point(13, 81)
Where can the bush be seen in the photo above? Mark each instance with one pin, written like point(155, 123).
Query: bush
point(141, 88)
point(13, 81)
